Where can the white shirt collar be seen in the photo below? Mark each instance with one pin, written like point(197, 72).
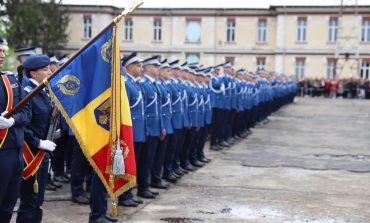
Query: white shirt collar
point(34, 81)
point(132, 77)
point(150, 78)
point(175, 80)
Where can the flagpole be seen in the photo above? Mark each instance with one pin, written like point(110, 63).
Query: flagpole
point(127, 11)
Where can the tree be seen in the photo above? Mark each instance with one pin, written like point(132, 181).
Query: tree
point(36, 23)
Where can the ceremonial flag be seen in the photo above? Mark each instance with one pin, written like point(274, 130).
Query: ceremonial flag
point(91, 95)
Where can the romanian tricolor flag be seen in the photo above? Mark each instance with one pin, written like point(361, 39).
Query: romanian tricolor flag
point(91, 95)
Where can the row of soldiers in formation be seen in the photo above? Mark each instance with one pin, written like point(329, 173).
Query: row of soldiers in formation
point(174, 108)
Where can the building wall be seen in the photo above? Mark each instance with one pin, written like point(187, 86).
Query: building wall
point(280, 51)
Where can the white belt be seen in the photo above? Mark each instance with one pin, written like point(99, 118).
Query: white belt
point(177, 100)
point(167, 102)
point(138, 100)
point(195, 101)
point(153, 101)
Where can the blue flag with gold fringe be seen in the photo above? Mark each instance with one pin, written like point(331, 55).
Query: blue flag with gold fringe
point(92, 98)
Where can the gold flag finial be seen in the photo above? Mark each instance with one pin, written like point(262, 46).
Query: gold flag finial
point(136, 4)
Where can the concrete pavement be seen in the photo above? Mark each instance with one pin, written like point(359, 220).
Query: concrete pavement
point(310, 163)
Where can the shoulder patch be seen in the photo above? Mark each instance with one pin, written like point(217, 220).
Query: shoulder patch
point(8, 73)
point(28, 89)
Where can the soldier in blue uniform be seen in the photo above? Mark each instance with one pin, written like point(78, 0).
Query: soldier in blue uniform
point(166, 112)
point(217, 86)
point(240, 130)
point(22, 54)
point(180, 72)
point(155, 130)
point(63, 59)
point(230, 102)
point(37, 69)
point(80, 172)
point(132, 65)
point(191, 113)
point(208, 115)
point(137, 100)
point(197, 157)
point(11, 139)
point(172, 171)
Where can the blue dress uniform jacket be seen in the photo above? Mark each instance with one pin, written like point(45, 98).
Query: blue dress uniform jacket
point(201, 108)
point(41, 110)
point(177, 105)
point(217, 87)
point(240, 97)
point(11, 160)
point(30, 202)
point(228, 89)
point(193, 104)
point(136, 100)
point(185, 105)
point(207, 105)
point(154, 123)
point(256, 96)
point(15, 137)
point(166, 105)
point(234, 93)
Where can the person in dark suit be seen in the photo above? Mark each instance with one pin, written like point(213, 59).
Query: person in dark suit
point(11, 139)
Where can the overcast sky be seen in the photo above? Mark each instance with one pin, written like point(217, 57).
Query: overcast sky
point(214, 3)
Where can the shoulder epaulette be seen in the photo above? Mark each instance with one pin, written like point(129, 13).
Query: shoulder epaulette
point(28, 89)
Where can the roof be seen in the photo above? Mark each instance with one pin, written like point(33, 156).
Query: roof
point(272, 10)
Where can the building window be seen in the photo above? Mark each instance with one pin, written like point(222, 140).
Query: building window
point(262, 30)
point(157, 29)
point(87, 27)
point(192, 57)
point(299, 67)
point(301, 29)
point(261, 62)
point(230, 36)
point(330, 71)
point(231, 59)
point(193, 30)
point(333, 30)
point(365, 69)
point(128, 29)
point(365, 34)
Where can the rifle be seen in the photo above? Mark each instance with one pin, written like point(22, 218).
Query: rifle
point(53, 124)
point(52, 134)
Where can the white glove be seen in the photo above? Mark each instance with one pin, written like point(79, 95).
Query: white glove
point(6, 122)
point(223, 87)
point(47, 145)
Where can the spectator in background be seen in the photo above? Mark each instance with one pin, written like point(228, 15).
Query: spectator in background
point(367, 88)
point(333, 88)
point(340, 88)
point(351, 87)
point(310, 87)
point(327, 88)
point(316, 87)
point(362, 89)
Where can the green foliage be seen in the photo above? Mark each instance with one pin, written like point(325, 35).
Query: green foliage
point(36, 23)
